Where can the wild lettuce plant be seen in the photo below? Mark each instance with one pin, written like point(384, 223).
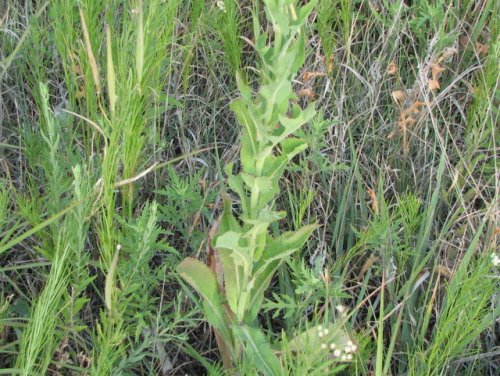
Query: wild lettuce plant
point(246, 254)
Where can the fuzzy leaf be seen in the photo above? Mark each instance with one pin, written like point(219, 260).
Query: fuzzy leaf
point(257, 234)
point(291, 125)
point(262, 186)
point(203, 280)
point(246, 155)
point(287, 241)
point(237, 263)
point(292, 146)
point(233, 241)
point(272, 96)
point(233, 283)
point(327, 333)
point(277, 250)
point(303, 12)
point(275, 166)
point(228, 222)
point(259, 350)
point(250, 125)
point(236, 183)
point(243, 88)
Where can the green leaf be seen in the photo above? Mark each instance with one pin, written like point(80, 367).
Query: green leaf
point(258, 350)
point(247, 156)
point(260, 43)
point(314, 337)
point(277, 250)
point(256, 237)
point(233, 280)
point(228, 222)
point(233, 241)
point(289, 240)
point(203, 280)
point(267, 215)
point(109, 287)
point(263, 187)
point(292, 146)
point(275, 166)
point(244, 89)
point(291, 125)
point(303, 12)
point(245, 117)
point(236, 183)
point(259, 284)
point(275, 94)
point(237, 264)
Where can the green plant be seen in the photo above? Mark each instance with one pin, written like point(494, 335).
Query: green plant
point(228, 24)
point(334, 17)
point(4, 205)
point(247, 255)
point(128, 293)
point(41, 337)
point(186, 206)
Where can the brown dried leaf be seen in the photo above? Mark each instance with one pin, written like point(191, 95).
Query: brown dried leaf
point(398, 96)
point(367, 265)
point(213, 260)
point(443, 271)
point(404, 122)
point(482, 49)
point(329, 66)
point(413, 109)
point(446, 54)
point(420, 104)
point(410, 121)
point(307, 76)
point(374, 202)
point(433, 85)
point(436, 71)
point(463, 41)
point(306, 92)
point(392, 68)
point(2, 20)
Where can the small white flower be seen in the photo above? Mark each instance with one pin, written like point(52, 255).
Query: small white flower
point(347, 349)
point(340, 308)
point(221, 6)
point(324, 346)
point(333, 346)
point(392, 269)
point(320, 328)
point(354, 348)
point(349, 343)
point(326, 331)
point(349, 357)
point(337, 352)
point(495, 259)
point(343, 358)
point(320, 334)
